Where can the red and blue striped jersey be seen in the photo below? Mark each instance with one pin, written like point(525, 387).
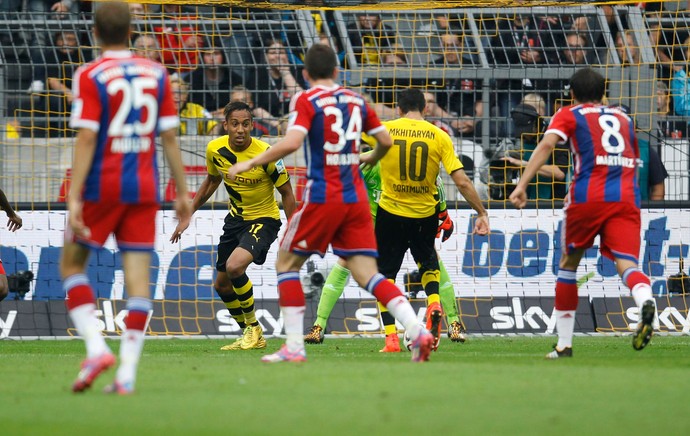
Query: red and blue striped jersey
point(333, 120)
point(127, 101)
point(605, 153)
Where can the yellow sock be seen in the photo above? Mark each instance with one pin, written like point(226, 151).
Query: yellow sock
point(233, 306)
point(430, 282)
point(388, 320)
point(245, 294)
point(433, 298)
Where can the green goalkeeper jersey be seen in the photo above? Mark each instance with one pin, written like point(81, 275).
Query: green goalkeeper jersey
point(372, 180)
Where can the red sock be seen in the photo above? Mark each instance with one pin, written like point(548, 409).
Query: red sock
point(290, 290)
point(382, 289)
point(79, 295)
point(566, 290)
point(136, 320)
point(633, 276)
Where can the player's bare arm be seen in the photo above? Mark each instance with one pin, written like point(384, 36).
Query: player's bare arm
point(292, 140)
point(550, 170)
point(383, 144)
point(171, 149)
point(539, 157)
point(84, 150)
point(288, 199)
point(14, 222)
point(466, 188)
point(206, 190)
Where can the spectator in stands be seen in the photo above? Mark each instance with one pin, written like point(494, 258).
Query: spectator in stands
point(179, 41)
point(529, 127)
point(668, 128)
point(679, 84)
point(278, 81)
point(517, 41)
point(41, 10)
point(62, 62)
point(575, 49)
point(194, 118)
point(628, 51)
point(657, 175)
point(449, 23)
point(442, 23)
point(664, 41)
point(334, 43)
point(147, 47)
point(457, 100)
point(264, 122)
point(210, 82)
point(55, 71)
point(503, 162)
point(137, 10)
point(429, 109)
point(383, 90)
point(59, 9)
point(573, 52)
point(369, 38)
point(589, 25)
point(140, 24)
point(383, 111)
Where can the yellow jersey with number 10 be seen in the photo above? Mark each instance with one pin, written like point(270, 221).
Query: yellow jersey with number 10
point(410, 168)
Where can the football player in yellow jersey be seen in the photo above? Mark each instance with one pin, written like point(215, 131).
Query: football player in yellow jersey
point(253, 219)
point(407, 217)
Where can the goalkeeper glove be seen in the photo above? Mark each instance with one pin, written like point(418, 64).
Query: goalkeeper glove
point(445, 225)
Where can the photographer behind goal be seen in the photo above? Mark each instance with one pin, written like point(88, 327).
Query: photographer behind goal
point(503, 164)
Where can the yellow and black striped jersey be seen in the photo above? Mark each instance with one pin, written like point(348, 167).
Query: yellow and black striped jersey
point(251, 193)
point(410, 168)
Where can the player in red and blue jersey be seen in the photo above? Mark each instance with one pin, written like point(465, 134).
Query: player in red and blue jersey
point(121, 103)
point(603, 199)
point(335, 210)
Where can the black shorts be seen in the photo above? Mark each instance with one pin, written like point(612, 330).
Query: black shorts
point(255, 236)
point(396, 234)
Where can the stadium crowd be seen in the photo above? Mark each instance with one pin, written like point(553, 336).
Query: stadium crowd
point(380, 53)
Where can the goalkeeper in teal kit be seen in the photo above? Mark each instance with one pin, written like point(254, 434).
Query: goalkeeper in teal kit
point(339, 275)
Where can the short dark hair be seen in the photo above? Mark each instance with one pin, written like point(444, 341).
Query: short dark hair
point(112, 21)
point(587, 86)
point(235, 106)
point(320, 61)
point(411, 100)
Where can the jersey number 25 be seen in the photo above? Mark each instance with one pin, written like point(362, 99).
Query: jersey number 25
point(134, 98)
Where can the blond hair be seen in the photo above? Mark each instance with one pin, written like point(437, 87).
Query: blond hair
point(536, 101)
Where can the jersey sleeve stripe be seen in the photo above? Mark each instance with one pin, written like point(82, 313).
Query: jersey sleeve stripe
point(376, 130)
point(167, 123)
point(78, 123)
point(561, 134)
point(300, 128)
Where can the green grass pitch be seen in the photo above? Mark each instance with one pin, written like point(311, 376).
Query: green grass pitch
point(489, 385)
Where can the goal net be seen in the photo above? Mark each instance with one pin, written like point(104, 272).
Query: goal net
point(493, 73)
